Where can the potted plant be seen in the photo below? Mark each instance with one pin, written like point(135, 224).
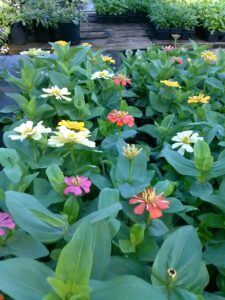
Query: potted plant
point(68, 19)
point(212, 20)
point(111, 11)
point(40, 16)
point(173, 18)
point(9, 24)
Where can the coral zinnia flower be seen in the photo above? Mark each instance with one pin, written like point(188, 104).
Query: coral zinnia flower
point(121, 118)
point(6, 222)
point(77, 185)
point(61, 43)
point(177, 59)
point(55, 91)
point(209, 57)
point(151, 202)
point(72, 125)
point(29, 131)
point(184, 140)
point(121, 79)
point(201, 98)
point(170, 83)
point(108, 59)
point(2, 297)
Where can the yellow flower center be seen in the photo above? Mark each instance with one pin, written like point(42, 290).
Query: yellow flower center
point(73, 125)
point(186, 140)
point(56, 92)
point(28, 130)
point(76, 181)
point(149, 195)
point(61, 43)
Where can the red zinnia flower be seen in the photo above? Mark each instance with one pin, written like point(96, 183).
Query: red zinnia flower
point(121, 118)
point(2, 297)
point(121, 79)
point(151, 202)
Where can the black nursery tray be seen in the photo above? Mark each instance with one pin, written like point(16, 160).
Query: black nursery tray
point(121, 19)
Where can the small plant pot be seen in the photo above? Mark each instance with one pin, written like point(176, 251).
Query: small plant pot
point(43, 34)
point(121, 19)
point(222, 36)
point(214, 37)
point(187, 34)
point(70, 32)
point(106, 19)
point(163, 34)
point(18, 34)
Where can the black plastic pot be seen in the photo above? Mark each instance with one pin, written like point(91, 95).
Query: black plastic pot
point(111, 19)
point(214, 37)
point(222, 36)
point(18, 34)
point(43, 34)
point(70, 32)
point(187, 34)
point(163, 34)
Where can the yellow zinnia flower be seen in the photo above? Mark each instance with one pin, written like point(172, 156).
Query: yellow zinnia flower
point(61, 43)
point(171, 83)
point(201, 98)
point(73, 125)
point(108, 59)
point(209, 56)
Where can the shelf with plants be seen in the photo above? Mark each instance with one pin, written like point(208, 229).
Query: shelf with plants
point(43, 21)
point(173, 17)
point(122, 11)
point(212, 19)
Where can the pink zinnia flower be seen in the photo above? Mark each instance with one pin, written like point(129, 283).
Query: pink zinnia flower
point(121, 79)
point(6, 222)
point(168, 48)
point(121, 118)
point(177, 59)
point(148, 200)
point(77, 185)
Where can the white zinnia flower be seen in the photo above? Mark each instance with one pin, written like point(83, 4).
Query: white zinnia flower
point(102, 74)
point(184, 140)
point(66, 136)
point(29, 131)
point(56, 92)
point(35, 52)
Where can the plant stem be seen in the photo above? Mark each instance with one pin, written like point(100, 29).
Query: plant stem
point(72, 153)
point(130, 170)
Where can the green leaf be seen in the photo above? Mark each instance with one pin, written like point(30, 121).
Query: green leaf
point(101, 250)
point(137, 234)
point(56, 178)
point(202, 156)
point(215, 84)
point(24, 278)
point(126, 246)
point(215, 254)
point(108, 197)
point(13, 173)
point(120, 265)
point(22, 206)
point(74, 266)
point(125, 287)
point(179, 163)
point(23, 244)
point(9, 157)
point(177, 253)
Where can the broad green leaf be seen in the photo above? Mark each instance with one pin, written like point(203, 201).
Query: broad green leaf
point(125, 287)
point(215, 254)
point(9, 157)
point(24, 278)
point(56, 178)
point(202, 156)
point(23, 244)
point(177, 253)
point(179, 163)
point(101, 250)
point(74, 266)
point(22, 207)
